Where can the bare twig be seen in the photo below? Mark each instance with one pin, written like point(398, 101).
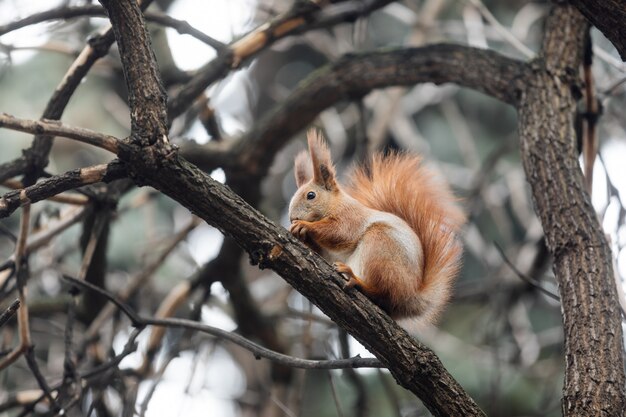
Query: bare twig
point(40, 239)
point(9, 312)
point(139, 280)
point(208, 119)
point(250, 45)
point(29, 354)
point(333, 390)
point(533, 282)
point(129, 347)
point(65, 12)
point(67, 198)
point(60, 183)
point(20, 274)
point(257, 350)
point(56, 128)
point(504, 32)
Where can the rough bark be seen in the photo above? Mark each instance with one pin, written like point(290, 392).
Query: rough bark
point(594, 370)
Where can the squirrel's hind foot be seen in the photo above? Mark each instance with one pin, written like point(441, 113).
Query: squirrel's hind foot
point(346, 271)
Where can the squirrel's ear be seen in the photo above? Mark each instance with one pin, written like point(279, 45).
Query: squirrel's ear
point(302, 169)
point(323, 169)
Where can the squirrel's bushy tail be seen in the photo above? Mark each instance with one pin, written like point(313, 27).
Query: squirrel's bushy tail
point(399, 184)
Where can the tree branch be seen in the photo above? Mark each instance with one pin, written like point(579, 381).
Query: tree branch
point(414, 366)
point(609, 17)
point(55, 128)
point(36, 157)
point(70, 12)
point(9, 312)
point(295, 21)
point(594, 371)
point(57, 184)
point(355, 75)
point(258, 350)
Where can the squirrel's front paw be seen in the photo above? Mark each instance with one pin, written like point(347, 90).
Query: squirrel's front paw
point(298, 229)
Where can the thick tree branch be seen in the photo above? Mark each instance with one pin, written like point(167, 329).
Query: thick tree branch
point(146, 95)
point(608, 16)
point(594, 371)
point(413, 365)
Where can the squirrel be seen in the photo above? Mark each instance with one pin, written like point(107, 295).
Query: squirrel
point(391, 231)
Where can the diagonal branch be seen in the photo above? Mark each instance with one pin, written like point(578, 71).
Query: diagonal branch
point(413, 365)
point(9, 312)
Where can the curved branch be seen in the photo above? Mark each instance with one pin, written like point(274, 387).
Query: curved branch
point(53, 14)
point(258, 350)
point(354, 76)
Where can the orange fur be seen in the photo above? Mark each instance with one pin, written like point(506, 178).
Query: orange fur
point(401, 185)
point(352, 226)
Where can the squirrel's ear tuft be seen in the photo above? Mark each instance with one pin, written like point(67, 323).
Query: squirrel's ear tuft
point(323, 169)
point(302, 169)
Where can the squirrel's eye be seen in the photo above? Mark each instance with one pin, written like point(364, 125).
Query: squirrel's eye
point(310, 195)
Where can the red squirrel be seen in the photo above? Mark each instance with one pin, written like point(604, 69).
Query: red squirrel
point(391, 231)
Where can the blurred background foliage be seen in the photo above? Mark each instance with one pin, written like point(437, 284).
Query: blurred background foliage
point(501, 337)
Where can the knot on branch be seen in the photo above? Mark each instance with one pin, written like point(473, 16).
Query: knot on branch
point(101, 43)
point(266, 256)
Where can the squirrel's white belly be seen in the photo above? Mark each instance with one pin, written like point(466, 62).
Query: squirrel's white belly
point(400, 232)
